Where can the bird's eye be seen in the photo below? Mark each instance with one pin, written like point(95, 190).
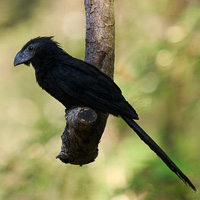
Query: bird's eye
point(30, 48)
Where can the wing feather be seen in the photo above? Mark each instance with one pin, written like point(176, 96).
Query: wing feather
point(92, 87)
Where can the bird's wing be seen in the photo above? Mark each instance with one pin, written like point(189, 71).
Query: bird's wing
point(88, 84)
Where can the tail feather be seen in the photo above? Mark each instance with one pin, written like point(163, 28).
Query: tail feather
point(153, 146)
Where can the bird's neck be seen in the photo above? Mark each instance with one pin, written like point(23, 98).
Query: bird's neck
point(42, 63)
point(48, 60)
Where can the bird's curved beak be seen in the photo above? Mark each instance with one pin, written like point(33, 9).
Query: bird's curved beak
point(18, 59)
point(21, 58)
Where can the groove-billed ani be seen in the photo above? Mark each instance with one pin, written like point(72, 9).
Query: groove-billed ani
point(74, 82)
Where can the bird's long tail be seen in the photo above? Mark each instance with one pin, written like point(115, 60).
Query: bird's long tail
point(153, 146)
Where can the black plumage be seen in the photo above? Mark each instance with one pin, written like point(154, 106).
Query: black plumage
point(74, 82)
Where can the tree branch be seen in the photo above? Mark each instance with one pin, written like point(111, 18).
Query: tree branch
point(84, 126)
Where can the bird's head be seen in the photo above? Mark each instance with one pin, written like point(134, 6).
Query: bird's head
point(35, 47)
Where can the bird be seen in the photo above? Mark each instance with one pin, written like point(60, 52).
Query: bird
point(74, 82)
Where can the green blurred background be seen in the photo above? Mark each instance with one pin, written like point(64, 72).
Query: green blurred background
point(157, 66)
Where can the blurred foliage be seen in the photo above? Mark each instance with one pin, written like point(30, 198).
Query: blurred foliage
point(20, 11)
point(157, 67)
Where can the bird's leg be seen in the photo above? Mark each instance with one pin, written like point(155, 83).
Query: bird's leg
point(66, 114)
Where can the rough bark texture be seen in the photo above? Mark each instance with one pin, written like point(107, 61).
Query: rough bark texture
point(84, 126)
point(100, 34)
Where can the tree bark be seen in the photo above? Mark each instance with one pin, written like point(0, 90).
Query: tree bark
point(100, 34)
point(84, 126)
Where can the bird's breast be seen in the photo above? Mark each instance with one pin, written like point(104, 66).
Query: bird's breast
point(47, 82)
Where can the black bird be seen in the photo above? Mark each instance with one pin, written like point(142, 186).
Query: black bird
point(74, 82)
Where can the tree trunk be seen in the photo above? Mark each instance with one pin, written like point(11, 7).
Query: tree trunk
point(84, 126)
point(100, 34)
